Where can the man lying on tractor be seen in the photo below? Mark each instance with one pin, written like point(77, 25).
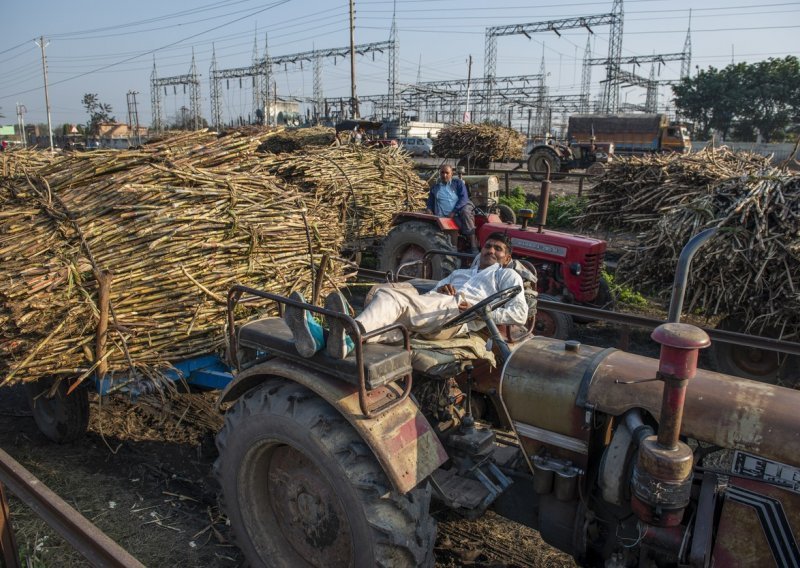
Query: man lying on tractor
point(449, 198)
point(421, 314)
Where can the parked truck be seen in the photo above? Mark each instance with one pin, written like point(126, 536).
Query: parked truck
point(631, 133)
point(597, 138)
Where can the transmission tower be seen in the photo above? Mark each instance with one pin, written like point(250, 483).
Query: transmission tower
point(586, 76)
point(651, 100)
point(611, 89)
point(686, 63)
point(258, 108)
point(216, 92)
point(191, 79)
point(542, 112)
point(134, 138)
point(490, 61)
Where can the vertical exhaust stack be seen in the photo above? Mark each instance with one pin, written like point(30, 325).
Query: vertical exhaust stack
point(662, 476)
point(544, 201)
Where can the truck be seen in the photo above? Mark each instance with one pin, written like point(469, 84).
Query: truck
point(631, 133)
point(595, 139)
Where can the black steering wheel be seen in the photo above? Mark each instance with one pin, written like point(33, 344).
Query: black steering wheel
point(496, 300)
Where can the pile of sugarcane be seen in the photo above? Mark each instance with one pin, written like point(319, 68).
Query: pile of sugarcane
point(481, 143)
point(363, 186)
point(170, 228)
point(751, 266)
point(294, 139)
point(20, 162)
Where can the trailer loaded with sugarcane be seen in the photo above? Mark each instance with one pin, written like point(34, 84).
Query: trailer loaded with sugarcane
point(335, 462)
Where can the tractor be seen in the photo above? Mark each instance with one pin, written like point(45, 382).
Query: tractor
point(617, 459)
point(568, 267)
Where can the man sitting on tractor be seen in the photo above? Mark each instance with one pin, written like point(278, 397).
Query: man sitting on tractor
point(449, 198)
point(422, 314)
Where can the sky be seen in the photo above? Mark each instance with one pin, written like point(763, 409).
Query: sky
point(109, 48)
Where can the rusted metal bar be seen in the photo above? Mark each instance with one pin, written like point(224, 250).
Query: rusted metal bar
point(8, 541)
point(73, 527)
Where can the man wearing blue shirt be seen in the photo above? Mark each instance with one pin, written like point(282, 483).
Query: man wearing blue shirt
point(449, 198)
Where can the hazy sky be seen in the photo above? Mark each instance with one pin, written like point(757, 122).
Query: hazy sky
point(108, 47)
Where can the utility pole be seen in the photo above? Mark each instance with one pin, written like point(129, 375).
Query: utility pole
point(353, 97)
point(46, 96)
point(467, 116)
point(21, 110)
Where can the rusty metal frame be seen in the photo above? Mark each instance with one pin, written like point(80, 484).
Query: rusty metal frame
point(97, 547)
point(234, 297)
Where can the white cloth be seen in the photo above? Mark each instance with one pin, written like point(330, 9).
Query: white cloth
point(425, 314)
point(473, 285)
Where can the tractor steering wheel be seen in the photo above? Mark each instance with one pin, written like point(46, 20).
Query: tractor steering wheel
point(484, 307)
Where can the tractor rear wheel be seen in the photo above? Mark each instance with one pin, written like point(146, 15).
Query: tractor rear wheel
point(301, 488)
point(751, 363)
point(540, 159)
point(550, 323)
point(410, 241)
point(62, 418)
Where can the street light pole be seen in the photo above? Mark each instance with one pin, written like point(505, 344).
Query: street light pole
point(46, 96)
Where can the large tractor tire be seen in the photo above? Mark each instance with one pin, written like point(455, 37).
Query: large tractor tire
point(300, 488)
point(538, 161)
point(506, 213)
point(751, 363)
point(605, 300)
point(550, 323)
point(61, 418)
point(410, 241)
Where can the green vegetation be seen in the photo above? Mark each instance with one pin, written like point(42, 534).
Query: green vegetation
point(743, 100)
point(561, 212)
point(624, 294)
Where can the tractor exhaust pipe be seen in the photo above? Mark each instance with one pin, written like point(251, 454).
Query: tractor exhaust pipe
point(544, 200)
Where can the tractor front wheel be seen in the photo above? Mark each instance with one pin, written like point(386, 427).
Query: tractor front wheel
point(301, 488)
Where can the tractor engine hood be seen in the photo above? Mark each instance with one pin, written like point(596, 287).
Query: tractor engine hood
point(555, 393)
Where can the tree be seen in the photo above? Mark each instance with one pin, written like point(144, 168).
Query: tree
point(743, 99)
point(98, 112)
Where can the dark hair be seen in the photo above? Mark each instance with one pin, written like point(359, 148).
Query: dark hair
point(502, 238)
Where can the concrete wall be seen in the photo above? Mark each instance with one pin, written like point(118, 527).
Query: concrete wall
point(779, 151)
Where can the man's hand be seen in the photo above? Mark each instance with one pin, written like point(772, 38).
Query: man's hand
point(447, 289)
point(464, 305)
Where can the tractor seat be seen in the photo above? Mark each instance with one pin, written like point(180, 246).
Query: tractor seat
point(382, 363)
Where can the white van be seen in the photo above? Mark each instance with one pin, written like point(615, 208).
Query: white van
point(417, 146)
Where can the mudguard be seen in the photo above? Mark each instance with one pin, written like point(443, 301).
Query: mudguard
point(444, 223)
point(401, 438)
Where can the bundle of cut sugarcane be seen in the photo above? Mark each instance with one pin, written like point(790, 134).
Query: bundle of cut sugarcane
point(750, 268)
point(294, 139)
point(176, 223)
point(363, 187)
point(25, 161)
point(481, 143)
point(174, 240)
point(634, 191)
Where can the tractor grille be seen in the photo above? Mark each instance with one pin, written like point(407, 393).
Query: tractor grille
point(590, 273)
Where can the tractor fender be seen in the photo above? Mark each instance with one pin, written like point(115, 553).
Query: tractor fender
point(443, 223)
point(401, 438)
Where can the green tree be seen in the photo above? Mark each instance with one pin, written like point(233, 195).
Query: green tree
point(97, 111)
point(742, 99)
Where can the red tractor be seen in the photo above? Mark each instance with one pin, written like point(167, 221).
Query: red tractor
point(568, 266)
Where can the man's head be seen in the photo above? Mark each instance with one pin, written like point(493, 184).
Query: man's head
point(496, 250)
point(445, 173)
